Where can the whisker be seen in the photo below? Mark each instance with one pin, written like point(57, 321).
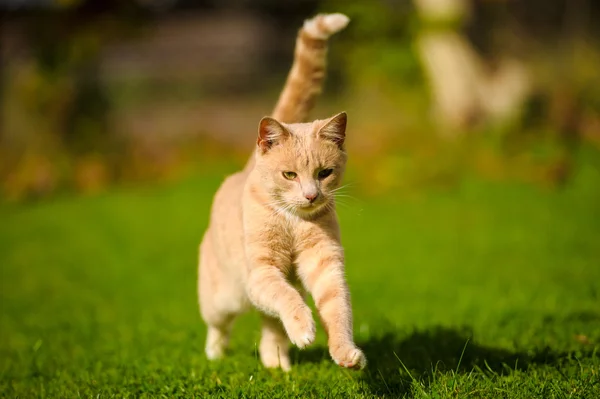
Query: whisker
point(342, 187)
point(342, 204)
point(336, 195)
point(348, 197)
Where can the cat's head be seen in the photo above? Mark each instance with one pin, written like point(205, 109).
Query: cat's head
point(301, 165)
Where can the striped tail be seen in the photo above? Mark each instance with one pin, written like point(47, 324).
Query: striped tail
point(305, 80)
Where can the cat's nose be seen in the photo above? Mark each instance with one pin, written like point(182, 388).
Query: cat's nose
point(311, 196)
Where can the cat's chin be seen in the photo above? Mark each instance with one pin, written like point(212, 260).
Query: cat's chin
point(310, 211)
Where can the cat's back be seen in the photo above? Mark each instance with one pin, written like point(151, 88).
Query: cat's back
point(228, 196)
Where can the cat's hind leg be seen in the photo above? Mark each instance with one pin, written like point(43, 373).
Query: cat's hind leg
point(274, 344)
point(217, 340)
point(218, 304)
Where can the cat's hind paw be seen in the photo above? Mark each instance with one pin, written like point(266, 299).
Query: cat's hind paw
point(214, 353)
point(275, 360)
point(216, 343)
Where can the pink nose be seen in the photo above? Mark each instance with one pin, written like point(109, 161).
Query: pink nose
point(311, 197)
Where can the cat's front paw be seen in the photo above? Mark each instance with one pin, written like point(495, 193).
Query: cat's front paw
point(349, 356)
point(300, 327)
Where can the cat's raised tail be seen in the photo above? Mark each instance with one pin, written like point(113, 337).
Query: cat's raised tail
point(305, 79)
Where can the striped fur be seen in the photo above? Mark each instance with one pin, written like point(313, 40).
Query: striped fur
point(305, 79)
point(274, 235)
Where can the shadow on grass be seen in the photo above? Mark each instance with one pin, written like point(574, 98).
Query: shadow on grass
point(396, 360)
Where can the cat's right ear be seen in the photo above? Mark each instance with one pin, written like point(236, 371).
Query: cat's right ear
point(270, 132)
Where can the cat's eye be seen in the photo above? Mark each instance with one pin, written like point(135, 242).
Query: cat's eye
point(290, 175)
point(325, 173)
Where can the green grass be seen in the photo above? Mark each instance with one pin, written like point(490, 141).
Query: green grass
point(485, 291)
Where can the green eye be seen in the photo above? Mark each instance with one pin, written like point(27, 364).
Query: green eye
point(290, 175)
point(325, 173)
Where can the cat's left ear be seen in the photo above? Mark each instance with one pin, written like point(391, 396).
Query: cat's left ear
point(335, 129)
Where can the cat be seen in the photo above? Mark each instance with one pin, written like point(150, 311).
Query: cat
point(273, 230)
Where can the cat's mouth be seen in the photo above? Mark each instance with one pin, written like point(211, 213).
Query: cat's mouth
point(312, 207)
point(305, 209)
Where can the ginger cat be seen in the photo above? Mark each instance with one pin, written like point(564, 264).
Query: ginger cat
point(273, 225)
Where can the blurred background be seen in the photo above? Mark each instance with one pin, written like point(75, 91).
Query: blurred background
point(103, 92)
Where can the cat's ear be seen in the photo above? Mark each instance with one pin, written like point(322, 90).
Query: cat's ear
point(334, 129)
point(270, 132)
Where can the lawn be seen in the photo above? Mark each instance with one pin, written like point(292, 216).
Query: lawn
point(484, 290)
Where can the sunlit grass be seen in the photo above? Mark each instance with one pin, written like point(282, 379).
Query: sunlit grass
point(481, 290)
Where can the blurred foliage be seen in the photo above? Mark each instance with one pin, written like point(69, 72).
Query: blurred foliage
point(59, 129)
point(377, 46)
point(399, 146)
point(56, 128)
